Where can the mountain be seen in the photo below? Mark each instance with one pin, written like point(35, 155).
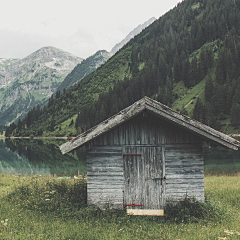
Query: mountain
point(24, 83)
point(4, 63)
point(131, 35)
point(84, 68)
point(93, 62)
point(27, 82)
point(189, 59)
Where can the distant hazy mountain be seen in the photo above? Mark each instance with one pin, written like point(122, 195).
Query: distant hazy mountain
point(92, 63)
point(29, 81)
point(132, 34)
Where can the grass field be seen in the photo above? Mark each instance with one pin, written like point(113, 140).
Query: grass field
point(47, 208)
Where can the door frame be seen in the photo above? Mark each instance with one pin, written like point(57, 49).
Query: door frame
point(134, 208)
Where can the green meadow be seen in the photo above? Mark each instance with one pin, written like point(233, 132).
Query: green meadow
point(47, 208)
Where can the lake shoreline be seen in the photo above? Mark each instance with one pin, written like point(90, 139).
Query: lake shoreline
point(38, 138)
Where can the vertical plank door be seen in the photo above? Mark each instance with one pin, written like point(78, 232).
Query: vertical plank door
point(143, 177)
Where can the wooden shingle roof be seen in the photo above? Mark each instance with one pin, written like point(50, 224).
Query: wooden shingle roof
point(160, 110)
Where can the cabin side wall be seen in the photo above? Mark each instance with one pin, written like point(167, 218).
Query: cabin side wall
point(105, 177)
point(184, 172)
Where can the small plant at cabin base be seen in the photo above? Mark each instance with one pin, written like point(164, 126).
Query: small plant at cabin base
point(190, 210)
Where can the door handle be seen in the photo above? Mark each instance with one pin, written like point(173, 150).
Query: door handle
point(162, 179)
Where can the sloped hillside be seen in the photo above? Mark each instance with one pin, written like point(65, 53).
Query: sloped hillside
point(84, 68)
point(188, 59)
point(100, 57)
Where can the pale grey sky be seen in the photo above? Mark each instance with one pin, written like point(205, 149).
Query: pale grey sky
point(76, 26)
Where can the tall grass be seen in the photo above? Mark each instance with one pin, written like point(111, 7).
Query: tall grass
point(50, 195)
point(47, 208)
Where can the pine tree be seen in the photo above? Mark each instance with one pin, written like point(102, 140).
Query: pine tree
point(199, 111)
point(208, 89)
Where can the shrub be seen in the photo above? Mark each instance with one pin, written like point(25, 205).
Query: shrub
point(190, 210)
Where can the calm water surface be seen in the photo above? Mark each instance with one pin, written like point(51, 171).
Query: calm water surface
point(39, 157)
point(43, 157)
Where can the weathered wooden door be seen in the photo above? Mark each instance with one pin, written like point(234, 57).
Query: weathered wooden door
point(143, 177)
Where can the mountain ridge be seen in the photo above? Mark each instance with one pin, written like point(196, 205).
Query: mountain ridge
point(30, 80)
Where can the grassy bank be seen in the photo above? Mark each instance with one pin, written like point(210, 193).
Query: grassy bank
point(44, 208)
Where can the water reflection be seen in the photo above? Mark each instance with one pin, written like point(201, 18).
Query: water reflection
point(43, 157)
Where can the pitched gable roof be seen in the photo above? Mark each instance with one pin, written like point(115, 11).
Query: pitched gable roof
point(161, 111)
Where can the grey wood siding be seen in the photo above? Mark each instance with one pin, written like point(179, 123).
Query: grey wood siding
point(184, 172)
point(105, 176)
point(146, 129)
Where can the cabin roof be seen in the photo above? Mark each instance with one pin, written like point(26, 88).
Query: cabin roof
point(159, 110)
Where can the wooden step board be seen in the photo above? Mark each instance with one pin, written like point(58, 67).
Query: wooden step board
point(145, 212)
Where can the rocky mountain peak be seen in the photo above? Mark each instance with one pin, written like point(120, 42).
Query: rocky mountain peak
point(29, 81)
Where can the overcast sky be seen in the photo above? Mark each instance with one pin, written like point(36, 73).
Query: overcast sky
point(76, 26)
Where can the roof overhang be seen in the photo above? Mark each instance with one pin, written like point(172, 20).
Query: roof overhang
point(161, 111)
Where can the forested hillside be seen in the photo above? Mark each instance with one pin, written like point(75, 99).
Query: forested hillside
point(188, 59)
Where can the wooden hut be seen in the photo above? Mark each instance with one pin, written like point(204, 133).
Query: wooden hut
point(146, 155)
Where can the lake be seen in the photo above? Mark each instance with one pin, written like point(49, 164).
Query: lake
point(39, 157)
point(43, 157)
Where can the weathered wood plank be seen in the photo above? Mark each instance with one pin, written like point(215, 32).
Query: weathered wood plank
point(184, 181)
point(185, 171)
point(186, 166)
point(104, 178)
point(183, 146)
point(181, 195)
point(183, 176)
point(106, 173)
point(105, 182)
point(189, 191)
point(184, 158)
point(105, 191)
point(145, 212)
point(184, 186)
